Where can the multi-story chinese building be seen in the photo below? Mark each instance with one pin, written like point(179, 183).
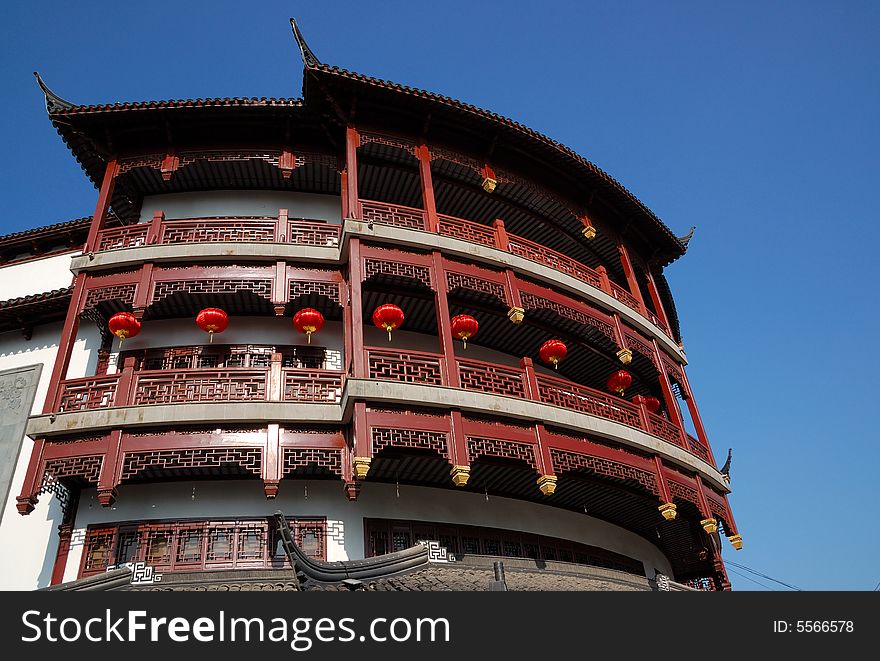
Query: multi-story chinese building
point(424, 322)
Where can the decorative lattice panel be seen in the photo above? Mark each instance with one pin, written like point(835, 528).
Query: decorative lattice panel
point(208, 230)
point(248, 459)
point(294, 458)
point(88, 468)
point(384, 437)
point(441, 153)
point(564, 461)
point(260, 287)
point(397, 269)
point(388, 141)
point(718, 510)
point(297, 288)
point(153, 161)
point(405, 366)
point(494, 447)
point(462, 281)
point(491, 378)
point(200, 386)
point(466, 230)
point(672, 369)
point(533, 302)
point(90, 393)
point(585, 400)
point(638, 345)
point(312, 386)
point(123, 237)
point(664, 429)
point(548, 257)
point(682, 491)
point(304, 233)
point(122, 293)
point(393, 214)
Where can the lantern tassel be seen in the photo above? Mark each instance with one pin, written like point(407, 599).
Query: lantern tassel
point(309, 336)
point(389, 334)
point(210, 337)
point(464, 341)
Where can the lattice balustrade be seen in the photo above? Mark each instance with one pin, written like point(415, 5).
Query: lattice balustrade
point(312, 386)
point(534, 302)
point(548, 257)
point(486, 377)
point(682, 491)
point(248, 459)
point(493, 447)
point(204, 385)
point(306, 233)
point(466, 230)
point(259, 286)
point(123, 237)
point(564, 461)
point(718, 510)
point(662, 428)
point(95, 392)
point(296, 458)
point(586, 400)
point(123, 293)
point(87, 468)
point(407, 366)
point(383, 437)
point(625, 297)
point(697, 448)
point(397, 269)
point(393, 214)
point(207, 230)
point(463, 281)
point(297, 288)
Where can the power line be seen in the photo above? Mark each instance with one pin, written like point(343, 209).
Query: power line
point(877, 589)
point(749, 578)
point(757, 573)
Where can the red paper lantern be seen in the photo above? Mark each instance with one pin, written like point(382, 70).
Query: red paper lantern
point(553, 351)
point(123, 325)
point(388, 317)
point(212, 320)
point(619, 381)
point(464, 327)
point(308, 321)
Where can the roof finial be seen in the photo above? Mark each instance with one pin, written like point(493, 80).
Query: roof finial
point(686, 239)
point(308, 57)
point(54, 103)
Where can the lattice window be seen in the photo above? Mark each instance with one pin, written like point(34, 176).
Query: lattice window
point(384, 437)
point(257, 286)
point(296, 458)
point(472, 283)
point(248, 459)
point(397, 269)
point(87, 468)
point(407, 367)
point(681, 491)
point(533, 302)
point(122, 293)
point(493, 447)
point(491, 378)
point(564, 461)
point(297, 288)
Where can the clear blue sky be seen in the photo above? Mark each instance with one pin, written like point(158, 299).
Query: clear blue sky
point(757, 122)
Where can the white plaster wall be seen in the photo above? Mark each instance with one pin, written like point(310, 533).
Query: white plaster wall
point(36, 276)
point(229, 499)
point(206, 204)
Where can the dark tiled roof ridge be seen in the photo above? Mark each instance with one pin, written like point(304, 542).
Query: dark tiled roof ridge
point(236, 101)
point(25, 234)
point(35, 298)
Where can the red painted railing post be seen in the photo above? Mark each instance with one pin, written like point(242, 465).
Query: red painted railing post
point(275, 385)
point(281, 226)
point(110, 469)
point(603, 278)
point(501, 241)
point(154, 231)
point(125, 386)
point(530, 379)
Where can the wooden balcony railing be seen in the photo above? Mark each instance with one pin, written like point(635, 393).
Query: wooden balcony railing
point(393, 214)
point(250, 229)
point(137, 388)
point(488, 377)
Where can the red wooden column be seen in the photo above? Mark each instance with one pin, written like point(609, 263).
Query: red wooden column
point(110, 469)
point(65, 343)
point(27, 499)
point(272, 460)
point(655, 297)
point(461, 468)
point(363, 443)
point(354, 312)
point(666, 388)
point(100, 217)
point(695, 416)
point(631, 277)
point(547, 478)
point(624, 353)
point(352, 142)
point(65, 532)
point(516, 313)
point(733, 535)
point(427, 182)
point(709, 522)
